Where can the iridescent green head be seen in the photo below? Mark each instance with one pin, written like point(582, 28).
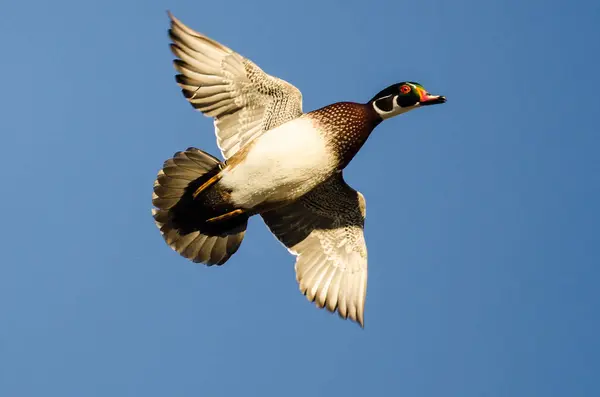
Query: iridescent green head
point(402, 97)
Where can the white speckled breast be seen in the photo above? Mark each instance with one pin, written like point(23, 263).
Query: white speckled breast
point(282, 164)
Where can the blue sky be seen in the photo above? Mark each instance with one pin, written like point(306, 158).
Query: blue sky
point(482, 214)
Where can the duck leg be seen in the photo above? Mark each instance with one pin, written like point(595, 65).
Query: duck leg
point(226, 216)
point(207, 184)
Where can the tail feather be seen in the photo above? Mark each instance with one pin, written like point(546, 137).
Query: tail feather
point(182, 219)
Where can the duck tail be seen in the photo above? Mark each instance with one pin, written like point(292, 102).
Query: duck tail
point(182, 215)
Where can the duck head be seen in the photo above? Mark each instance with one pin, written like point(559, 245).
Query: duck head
point(403, 97)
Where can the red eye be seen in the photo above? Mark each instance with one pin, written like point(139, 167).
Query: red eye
point(405, 89)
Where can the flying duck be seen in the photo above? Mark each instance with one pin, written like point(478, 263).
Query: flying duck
point(280, 163)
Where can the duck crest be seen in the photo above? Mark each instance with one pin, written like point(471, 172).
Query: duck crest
point(346, 126)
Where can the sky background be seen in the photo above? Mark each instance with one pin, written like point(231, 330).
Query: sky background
point(482, 214)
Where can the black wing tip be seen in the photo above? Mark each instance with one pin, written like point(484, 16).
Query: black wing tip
point(173, 36)
point(178, 64)
point(184, 80)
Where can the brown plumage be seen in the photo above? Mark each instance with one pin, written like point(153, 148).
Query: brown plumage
point(353, 123)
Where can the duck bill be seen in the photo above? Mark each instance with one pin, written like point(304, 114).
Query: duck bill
point(427, 99)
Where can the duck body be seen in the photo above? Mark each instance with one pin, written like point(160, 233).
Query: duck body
point(281, 165)
point(278, 162)
point(286, 162)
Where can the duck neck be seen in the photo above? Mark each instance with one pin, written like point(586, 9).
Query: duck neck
point(347, 126)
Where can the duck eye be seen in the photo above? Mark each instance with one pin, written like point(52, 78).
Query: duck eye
point(405, 89)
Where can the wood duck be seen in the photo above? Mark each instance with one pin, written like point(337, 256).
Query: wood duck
point(280, 163)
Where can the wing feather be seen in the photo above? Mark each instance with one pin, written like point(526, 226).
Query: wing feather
point(325, 230)
point(243, 100)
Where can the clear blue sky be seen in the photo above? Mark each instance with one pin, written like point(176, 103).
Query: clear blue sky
point(482, 219)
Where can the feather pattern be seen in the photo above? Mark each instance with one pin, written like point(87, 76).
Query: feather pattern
point(325, 230)
point(169, 187)
point(243, 100)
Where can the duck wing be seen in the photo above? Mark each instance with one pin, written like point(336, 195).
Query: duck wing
point(243, 100)
point(325, 231)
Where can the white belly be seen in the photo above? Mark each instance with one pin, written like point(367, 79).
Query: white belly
point(282, 164)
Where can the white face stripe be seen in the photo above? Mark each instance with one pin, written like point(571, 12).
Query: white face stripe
point(396, 110)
